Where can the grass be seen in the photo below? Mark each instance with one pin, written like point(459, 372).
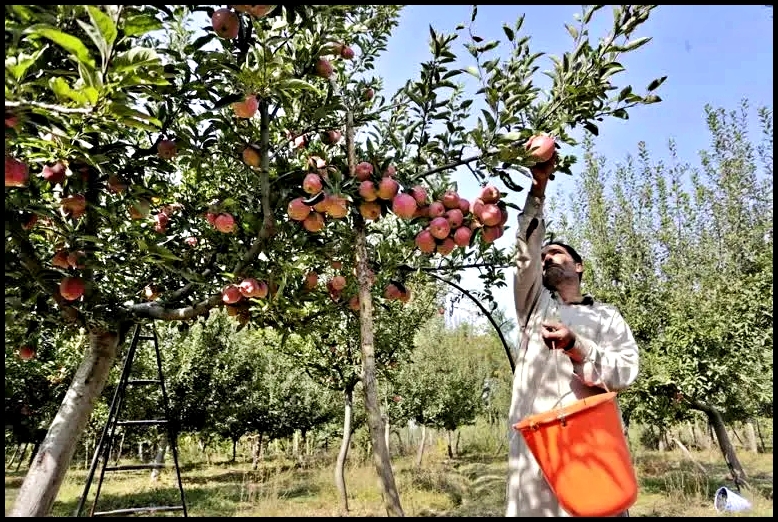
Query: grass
point(472, 485)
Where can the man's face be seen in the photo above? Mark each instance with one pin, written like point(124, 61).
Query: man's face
point(558, 267)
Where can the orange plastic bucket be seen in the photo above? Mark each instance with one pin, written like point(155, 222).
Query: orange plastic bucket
point(583, 454)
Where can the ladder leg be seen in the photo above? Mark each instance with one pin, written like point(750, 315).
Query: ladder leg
point(112, 412)
point(172, 431)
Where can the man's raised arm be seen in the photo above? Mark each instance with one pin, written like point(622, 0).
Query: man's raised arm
point(528, 278)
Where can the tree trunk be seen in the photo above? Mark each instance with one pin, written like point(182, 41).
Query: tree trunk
point(422, 442)
point(381, 459)
point(400, 445)
point(370, 389)
point(119, 451)
point(387, 432)
point(449, 446)
point(750, 435)
point(21, 457)
point(13, 457)
point(296, 443)
point(717, 423)
point(340, 464)
point(456, 446)
point(160, 458)
point(43, 480)
point(701, 438)
point(761, 439)
point(234, 450)
point(256, 454)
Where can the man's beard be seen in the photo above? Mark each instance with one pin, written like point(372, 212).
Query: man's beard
point(553, 275)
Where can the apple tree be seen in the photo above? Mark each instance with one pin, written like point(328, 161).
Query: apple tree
point(155, 171)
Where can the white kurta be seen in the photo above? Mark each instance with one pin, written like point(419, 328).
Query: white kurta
point(545, 379)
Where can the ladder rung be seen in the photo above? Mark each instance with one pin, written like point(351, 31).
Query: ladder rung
point(145, 337)
point(144, 381)
point(137, 510)
point(128, 467)
point(149, 422)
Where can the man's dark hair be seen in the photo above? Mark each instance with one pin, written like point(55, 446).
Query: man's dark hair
point(570, 250)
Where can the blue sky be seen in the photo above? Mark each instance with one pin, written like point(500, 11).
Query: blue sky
point(711, 54)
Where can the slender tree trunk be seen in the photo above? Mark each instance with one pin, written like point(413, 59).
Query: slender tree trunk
point(370, 388)
point(449, 446)
point(234, 450)
point(422, 442)
point(257, 452)
point(727, 449)
point(13, 457)
point(43, 480)
point(159, 460)
point(761, 439)
point(121, 446)
point(456, 446)
point(400, 445)
point(750, 435)
point(21, 457)
point(387, 432)
point(340, 464)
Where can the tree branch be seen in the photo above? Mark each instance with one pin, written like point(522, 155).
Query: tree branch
point(158, 311)
point(47, 106)
point(451, 268)
point(155, 311)
point(485, 312)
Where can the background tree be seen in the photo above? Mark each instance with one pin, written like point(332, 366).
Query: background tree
point(686, 253)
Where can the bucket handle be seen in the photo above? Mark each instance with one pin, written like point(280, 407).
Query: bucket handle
point(561, 417)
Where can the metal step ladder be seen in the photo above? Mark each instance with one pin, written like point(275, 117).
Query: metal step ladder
point(103, 449)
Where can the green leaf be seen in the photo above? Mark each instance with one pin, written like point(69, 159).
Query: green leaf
point(121, 110)
point(474, 13)
point(572, 30)
point(590, 12)
point(89, 76)
point(651, 98)
point(64, 92)
point(626, 91)
point(591, 127)
point(103, 23)
point(18, 65)
point(509, 32)
point(294, 84)
point(472, 69)
point(621, 113)
point(138, 24)
point(656, 83)
point(68, 42)
point(135, 58)
point(634, 44)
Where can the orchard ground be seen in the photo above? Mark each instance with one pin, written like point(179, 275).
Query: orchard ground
point(472, 484)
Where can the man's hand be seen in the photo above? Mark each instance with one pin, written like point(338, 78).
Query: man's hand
point(541, 174)
point(557, 335)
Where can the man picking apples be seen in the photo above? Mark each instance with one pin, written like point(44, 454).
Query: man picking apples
point(571, 347)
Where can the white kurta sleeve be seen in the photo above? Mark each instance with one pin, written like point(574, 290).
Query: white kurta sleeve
point(528, 276)
point(613, 363)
